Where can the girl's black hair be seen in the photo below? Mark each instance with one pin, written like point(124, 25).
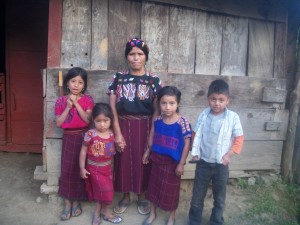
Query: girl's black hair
point(74, 72)
point(218, 86)
point(103, 108)
point(136, 42)
point(170, 91)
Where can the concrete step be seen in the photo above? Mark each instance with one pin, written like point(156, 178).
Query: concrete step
point(39, 173)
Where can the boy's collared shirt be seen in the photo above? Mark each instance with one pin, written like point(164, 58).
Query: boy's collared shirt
point(230, 128)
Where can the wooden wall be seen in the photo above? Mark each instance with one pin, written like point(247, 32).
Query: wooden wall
point(192, 39)
point(191, 44)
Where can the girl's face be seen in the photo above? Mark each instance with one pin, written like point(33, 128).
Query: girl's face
point(102, 123)
point(168, 105)
point(76, 85)
point(136, 60)
point(218, 103)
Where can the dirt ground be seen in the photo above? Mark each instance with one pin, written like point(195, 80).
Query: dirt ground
point(23, 204)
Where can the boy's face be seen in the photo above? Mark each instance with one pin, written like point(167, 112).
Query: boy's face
point(218, 103)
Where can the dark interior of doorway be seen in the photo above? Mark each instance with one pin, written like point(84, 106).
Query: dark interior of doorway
point(2, 37)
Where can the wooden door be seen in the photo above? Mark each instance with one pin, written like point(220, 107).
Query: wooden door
point(26, 55)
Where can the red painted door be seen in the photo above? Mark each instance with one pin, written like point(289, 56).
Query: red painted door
point(26, 56)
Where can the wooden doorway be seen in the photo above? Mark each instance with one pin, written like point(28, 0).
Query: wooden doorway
point(26, 32)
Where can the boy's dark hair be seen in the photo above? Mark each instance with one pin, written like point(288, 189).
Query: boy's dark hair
point(171, 91)
point(218, 86)
point(74, 72)
point(102, 108)
point(137, 42)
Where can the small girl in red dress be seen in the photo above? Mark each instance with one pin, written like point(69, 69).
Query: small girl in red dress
point(96, 163)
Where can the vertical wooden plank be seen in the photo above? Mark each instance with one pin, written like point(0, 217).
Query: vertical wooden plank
point(182, 40)
point(76, 37)
point(99, 51)
point(261, 49)
point(54, 33)
point(155, 30)
point(234, 47)
point(124, 22)
point(209, 42)
point(280, 43)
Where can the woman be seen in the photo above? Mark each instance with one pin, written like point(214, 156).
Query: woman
point(132, 97)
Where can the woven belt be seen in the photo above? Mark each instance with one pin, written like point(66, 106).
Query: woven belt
point(93, 163)
point(134, 117)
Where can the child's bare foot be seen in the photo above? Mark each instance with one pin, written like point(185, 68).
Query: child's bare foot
point(171, 220)
point(150, 219)
point(96, 219)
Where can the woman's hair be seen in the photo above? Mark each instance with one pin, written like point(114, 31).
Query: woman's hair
point(74, 72)
point(218, 86)
point(102, 108)
point(136, 42)
point(170, 91)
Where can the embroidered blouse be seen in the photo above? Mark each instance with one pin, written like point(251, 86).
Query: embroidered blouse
point(169, 138)
point(73, 120)
point(135, 94)
point(99, 149)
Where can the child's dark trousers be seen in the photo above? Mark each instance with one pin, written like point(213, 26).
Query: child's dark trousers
point(218, 175)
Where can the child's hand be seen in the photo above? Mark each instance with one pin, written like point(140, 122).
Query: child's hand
point(195, 158)
point(225, 159)
point(179, 169)
point(69, 103)
point(73, 98)
point(146, 156)
point(84, 173)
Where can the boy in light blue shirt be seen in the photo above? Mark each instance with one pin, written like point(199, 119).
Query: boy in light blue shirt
point(218, 134)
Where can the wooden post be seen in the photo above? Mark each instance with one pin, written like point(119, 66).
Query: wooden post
point(60, 83)
point(291, 132)
point(288, 150)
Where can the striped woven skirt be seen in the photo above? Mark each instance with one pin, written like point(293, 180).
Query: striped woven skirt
point(99, 184)
point(164, 184)
point(71, 185)
point(130, 174)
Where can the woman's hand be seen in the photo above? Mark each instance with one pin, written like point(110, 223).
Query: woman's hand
point(120, 142)
point(146, 155)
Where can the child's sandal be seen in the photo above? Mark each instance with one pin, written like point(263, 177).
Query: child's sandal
point(66, 215)
point(76, 211)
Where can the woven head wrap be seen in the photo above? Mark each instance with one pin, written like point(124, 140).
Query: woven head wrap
point(136, 42)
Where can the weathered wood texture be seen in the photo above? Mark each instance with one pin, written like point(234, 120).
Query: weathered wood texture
point(234, 47)
point(99, 50)
point(181, 39)
point(155, 29)
point(261, 49)
point(275, 10)
point(208, 44)
point(124, 22)
point(76, 34)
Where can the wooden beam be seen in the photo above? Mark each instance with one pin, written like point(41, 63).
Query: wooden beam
point(54, 33)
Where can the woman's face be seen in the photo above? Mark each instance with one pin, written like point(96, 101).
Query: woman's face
point(136, 60)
